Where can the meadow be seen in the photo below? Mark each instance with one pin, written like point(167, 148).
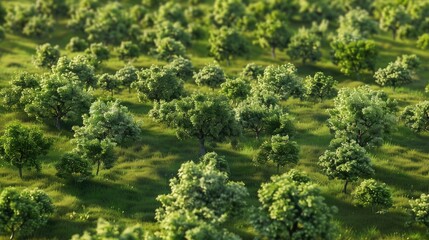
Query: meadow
point(127, 192)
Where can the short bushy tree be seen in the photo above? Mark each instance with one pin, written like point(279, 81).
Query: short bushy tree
point(416, 116)
point(282, 81)
point(167, 49)
point(273, 33)
point(106, 230)
point(46, 55)
point(420, 210)
point(128, 51)
point(109, 83)
point(226, 43)
point(72, 166)
point(304, 45)
point(77, 44)
point(374, 194)
point(319, 87)
point(182, 67)
point(211, 75)
point(127, 76)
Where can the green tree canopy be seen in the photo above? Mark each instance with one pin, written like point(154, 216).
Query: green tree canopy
point(226, 43)
point(46, 55)
point(305, 45)
point(374, 194)
point(319, 87)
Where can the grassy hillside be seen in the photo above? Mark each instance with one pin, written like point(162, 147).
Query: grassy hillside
point(127, 192)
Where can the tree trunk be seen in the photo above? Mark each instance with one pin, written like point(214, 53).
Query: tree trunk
point(345, 187)
point(58, 122)
point(129, 90)
point(202, 146)
point(257, 134)
point(111, 93)
point(20, 172)
point(228, 62)
point(394, 34)
point(12, 235)
point(278, 168)
point(273, 52)
point(304, 61)
point(98, 167)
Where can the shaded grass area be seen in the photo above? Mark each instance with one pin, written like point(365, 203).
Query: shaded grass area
point(127, 192)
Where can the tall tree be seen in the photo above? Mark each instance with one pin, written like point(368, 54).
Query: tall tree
point(363, 115)
point(293, 208)
point(273, 33)
point(348, 161)
point(392, 18)
point(22, 147)
point(204, 117)
point(226, 43)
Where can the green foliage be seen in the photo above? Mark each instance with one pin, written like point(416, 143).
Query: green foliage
point(78, 67)
point(236, 90)
point(168, 49)
point(60, 98)
point(280, 150)
point(392, 18)
point(374, 194)
point(109, 25)
point(282, 81)
point(293, 208)
point(99, 52)
point(174, 31)
point(46, 55)
point(216, 161)
point(22, 147)
point(205, 192)
point(395, 75)
point(416, 117)
point(128, 51)
point(38, 26)
point(107, 231)
point(3, 14)
point(158, 83)
point(52, 7)
point(109, 83)
point(347, 161)
point(273, 33)
point(16, 95)
point(203, 117)
point(182, 67)
point(357, 22)
point(420, 210)
point(354, 56)
point(72, 166)
point(210, 75)
point(423, 41)
point(319, 87)
point(411, 62)
point(304, 45)
point(95, 150)
point(127, 76)
point(363, 115)
point(171, 12)
point(23, 212)
point(226, 13)
point(109, 120)
point(77, 44)
point(226, 43)
point(252, 71)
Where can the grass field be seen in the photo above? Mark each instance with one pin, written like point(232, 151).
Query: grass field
point(126, 193)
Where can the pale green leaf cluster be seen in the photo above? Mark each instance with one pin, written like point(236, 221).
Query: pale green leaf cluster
point(319, 87)
point(305, 45)
point(416, 117)
point(420, 209)
point(374, 194)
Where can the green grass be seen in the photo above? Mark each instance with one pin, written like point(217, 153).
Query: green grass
point(127, 192)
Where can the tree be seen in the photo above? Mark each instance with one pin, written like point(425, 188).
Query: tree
point(23, 212)
point(171, 12)
point(226, 43)
point(423, 41)
point(363, 115)
point(392, 18)
point(182, 67)
point(158, 83)
point(411, 62)
point(210, 75)
point(273, 33)
point(293, 208)
point(348, 161)
point(167, 49)
point(420, 210)
point(305, 45)
point(60, 98)
point(46, 55)
point(3, 14)
point(205, 192)
point(216, 161)
point(395, 74)
point(97, 151)
point(38, 26)
point(374, 194)
point(22, 147)
point(252, 71)
point(99, 52)
point(319, 87)
point(236, 90)
point(106, 230)
point(354, 56)
point(73, 167)
point(417, 117)
point(109, 83)
point(78, 67)
point(359, 21)
point(110, 24)
point(52, 7)
point(280, 150)
point(128, 51)
point(77, 44)
point(227, 12)
point(18, 16)
point(199, 116)
point(109, 120)
point(175, 31)
point(127, 76)
point(282, 81)
point(17, 95)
